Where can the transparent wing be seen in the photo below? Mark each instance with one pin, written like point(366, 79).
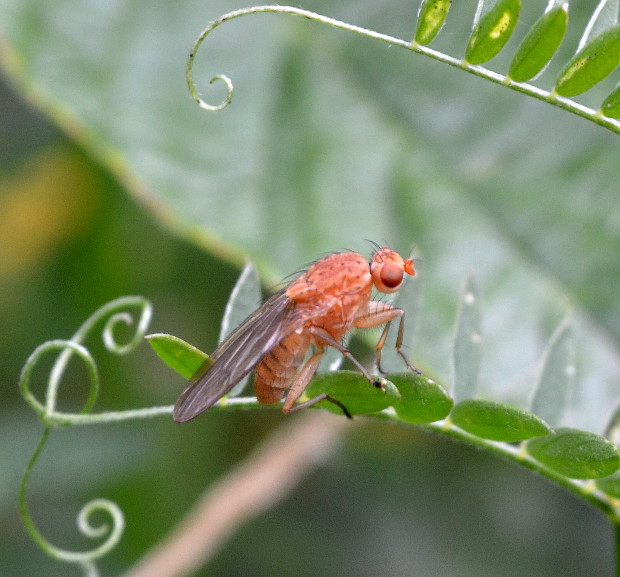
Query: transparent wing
point(238, 354)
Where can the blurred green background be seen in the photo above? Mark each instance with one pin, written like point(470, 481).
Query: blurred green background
point(113, 182)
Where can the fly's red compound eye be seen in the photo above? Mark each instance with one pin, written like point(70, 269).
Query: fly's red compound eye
point(388, 277)
point(391, 275)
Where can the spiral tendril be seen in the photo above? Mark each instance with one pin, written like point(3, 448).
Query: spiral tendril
point(47, 412)
point(96, 532)
point(52, 418)
point(127, 319)
point(83, 558)
point(221, 77)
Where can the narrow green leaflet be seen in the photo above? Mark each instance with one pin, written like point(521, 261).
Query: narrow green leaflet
point(611, 105)
point(575, 454)
point(493, 31)
point(595, 61)
point(556, 377)
point(497, 422)
point(431, 18)
point(539, 45)
point(467, 342)
point(180, 356)
point(354, 391)
point(243, 301)
point(421, 399)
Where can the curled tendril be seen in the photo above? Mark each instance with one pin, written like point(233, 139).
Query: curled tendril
point(115, 314)
point(255, 10)
point(127, 319)
point(47, 412)
point(112, 308)
point(221, 77)
point(86, 559)
point(96, 532)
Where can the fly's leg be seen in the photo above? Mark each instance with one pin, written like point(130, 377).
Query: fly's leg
point(381, 343)
point(300, 383)
point(398, 347)
point(301, 380)
point(318, 399)
point(377, 314)
point(323, 336)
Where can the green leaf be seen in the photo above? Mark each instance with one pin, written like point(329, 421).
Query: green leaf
point(493, 31)
point(467, 353)
point(599, 58)
point(354, 391)
point(431, 18)
point(576, 454)
point(497, 422)
point(556, 377)
point(611, 105)
point(421, 399)
point(180, 356)
point(539, 45)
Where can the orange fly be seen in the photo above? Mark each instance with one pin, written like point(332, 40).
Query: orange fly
point(317, 309)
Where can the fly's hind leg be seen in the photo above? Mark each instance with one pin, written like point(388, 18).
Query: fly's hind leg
point(301, 382)
point(318, 399)
point(377, 314)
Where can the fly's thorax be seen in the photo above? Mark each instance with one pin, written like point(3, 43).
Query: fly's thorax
point(334, 276)
point(337, 313)
point(332, 291)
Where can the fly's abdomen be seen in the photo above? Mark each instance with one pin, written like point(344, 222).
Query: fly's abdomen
point(277, 369)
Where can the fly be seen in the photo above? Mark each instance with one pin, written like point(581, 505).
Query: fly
point(317, 309)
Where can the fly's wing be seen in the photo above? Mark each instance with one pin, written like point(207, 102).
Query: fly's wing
point(238, 354)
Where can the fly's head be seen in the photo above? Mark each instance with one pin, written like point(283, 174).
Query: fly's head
point(388, 268)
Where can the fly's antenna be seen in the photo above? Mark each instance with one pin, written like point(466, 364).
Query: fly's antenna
point(411, 254)
point(375, 246)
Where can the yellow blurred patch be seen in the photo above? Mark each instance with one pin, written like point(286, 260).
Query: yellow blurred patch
point(49, 202)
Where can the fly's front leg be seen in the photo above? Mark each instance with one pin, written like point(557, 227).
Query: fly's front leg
point(381, 343)
point(377, 314)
